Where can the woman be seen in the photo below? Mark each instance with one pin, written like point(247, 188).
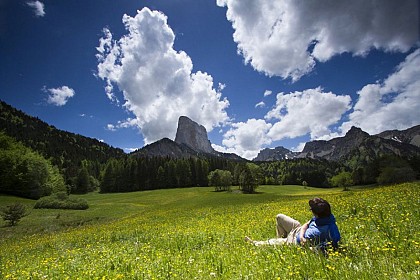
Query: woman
point(318, 232)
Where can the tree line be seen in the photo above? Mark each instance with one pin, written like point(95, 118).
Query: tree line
point(25, 172)
point(131, 173)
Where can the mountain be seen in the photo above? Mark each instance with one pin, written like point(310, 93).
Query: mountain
point(337, 148)
point(408, 136)
point(193, 135)
point(355, 144)
point(191, 141)
point(278, 153)
point(66, 149)
point(166, 148)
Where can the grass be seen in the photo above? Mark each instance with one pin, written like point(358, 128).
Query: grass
point(198, 234)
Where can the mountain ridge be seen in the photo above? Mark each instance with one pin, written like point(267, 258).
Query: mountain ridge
point(356, 142)
point(192, 141)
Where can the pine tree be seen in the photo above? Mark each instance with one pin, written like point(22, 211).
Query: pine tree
point(109, 178)
point(82, 182)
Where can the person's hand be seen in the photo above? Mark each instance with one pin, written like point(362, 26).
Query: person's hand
point(303, 240)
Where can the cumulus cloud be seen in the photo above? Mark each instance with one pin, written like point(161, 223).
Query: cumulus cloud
point(390, 104)
point(246, 138)
point(38, 8)
point(157, 81)
point(287, 38)
point(295, 114)
point(310, 111)
point(59, 96)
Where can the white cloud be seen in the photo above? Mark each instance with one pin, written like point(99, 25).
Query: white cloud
point(246, 138)
point(123, 124)
point(299, 147)
point(111, 127)
point(287, 38)
point(267, 93)
point(38, 8)
point(157, 81)
point(224, 149)
point(221, 87)
point(260, 104)
point(391, 104)
point(130, 150)
point(295, 114)
point(310, 111)
point(59, 96)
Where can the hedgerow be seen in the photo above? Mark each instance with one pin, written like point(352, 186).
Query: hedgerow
point(61, 201)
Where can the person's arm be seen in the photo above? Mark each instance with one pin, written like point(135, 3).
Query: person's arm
point(302, 233)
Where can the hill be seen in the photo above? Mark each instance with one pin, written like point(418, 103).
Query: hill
point(67, 150)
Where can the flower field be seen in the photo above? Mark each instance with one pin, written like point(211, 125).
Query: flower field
point(199, 234)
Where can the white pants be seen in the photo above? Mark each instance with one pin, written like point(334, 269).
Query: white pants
point(287, 230)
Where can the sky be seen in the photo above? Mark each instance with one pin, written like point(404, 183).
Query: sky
point(255, 73)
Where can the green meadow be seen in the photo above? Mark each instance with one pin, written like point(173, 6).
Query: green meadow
point(197, 233)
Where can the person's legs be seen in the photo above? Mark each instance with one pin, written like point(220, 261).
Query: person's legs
point(286, 229)
point(273, 241)
point(284, 225)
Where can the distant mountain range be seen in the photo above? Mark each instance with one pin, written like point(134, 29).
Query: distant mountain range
point(356, 143)
point(192, 141)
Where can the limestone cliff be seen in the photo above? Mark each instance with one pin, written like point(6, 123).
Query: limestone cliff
point(193, 135)
point(190, 142)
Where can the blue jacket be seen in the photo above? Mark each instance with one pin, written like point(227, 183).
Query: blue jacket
point(321, 231)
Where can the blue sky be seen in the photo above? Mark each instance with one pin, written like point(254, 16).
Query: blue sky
point(256, 74)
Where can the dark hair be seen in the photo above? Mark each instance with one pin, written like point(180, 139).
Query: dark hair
point(320, 207)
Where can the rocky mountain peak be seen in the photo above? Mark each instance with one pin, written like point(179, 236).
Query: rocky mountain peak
point(193, 135)
point(356, 132)
point(190, 142)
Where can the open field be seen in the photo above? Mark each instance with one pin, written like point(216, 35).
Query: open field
point(198, 234)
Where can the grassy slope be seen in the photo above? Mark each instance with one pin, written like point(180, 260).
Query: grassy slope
point(108, 207)
point(187, 233)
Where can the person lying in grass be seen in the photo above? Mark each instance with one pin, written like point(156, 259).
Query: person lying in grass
point(318, 232)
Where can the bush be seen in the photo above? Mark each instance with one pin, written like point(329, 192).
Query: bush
point(220, 179)
point(12, 214)
point(61, 200)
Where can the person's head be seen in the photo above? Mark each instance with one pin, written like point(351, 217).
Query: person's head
point(320, 207)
